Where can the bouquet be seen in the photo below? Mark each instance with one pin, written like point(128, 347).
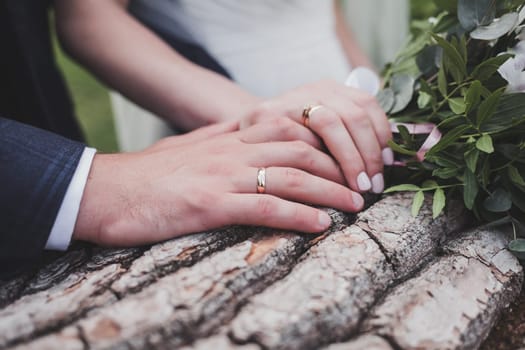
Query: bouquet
point(456, 96)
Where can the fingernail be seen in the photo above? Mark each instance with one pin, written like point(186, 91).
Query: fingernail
point(358, 200)
point(363, 182)
point(378, 183)
point(388, 156)
point(324, 220)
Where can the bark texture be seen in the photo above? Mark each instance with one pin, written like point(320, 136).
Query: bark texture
point(384, 280)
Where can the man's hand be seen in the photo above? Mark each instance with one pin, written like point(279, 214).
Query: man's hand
point(208, 179)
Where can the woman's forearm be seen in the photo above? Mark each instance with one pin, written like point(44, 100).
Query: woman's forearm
point(133, 60)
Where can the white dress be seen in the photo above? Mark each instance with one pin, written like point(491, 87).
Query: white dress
point(267, 46)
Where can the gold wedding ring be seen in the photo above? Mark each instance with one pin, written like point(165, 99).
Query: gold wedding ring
point(261, 180)
point(307, 113)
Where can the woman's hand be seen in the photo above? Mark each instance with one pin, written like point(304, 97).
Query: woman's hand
point(208, 179)
point(350, 123)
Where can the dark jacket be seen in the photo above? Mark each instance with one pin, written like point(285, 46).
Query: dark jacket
point(36, 166)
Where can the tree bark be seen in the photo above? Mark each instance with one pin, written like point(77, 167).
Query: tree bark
point(384, 280)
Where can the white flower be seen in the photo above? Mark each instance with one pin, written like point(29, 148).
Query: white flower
point(521, 35)
point(513, 71)
point(519, 49)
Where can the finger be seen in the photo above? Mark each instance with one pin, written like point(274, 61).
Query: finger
point(200, 134)
point(271, 211)
point(360, 127)
point(278, 129)
point(299, 155)
point(298, 185)
point(377, 116)
point(329, 126)
point(358, 123)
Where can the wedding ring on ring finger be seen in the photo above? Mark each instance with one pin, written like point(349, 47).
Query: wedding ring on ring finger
point(261, 180)
point(307, 114)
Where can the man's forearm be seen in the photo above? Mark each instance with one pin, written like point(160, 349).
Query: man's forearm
point(133, 60)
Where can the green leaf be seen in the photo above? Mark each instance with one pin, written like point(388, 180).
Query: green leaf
point(399, 149)
point(517, 248)
point(429, 184)
point(438, 203)
point(471, 159)
point(457, 62)
point(449, 138)
point(488, 107)
point(442, 82)
point(510, 112)
point(486, 69)
point(515, 176)
point(473, 96)
point(403, 188)
point(496, 29)
point(446, 173)
point(423, 100)
point(386, 99)
point(470, 190)
point(429, 58)
point(500, 201)
point(474, 13)
point(457, 105)
point(403, 87)
point(405, 134)
point(485, 173)
point(419, 198)
point(445, 23)
point(484, 144)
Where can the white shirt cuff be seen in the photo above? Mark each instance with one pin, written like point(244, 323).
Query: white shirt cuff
point(62, 229)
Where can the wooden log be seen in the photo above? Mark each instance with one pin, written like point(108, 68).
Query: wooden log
point(12, 289)
point(36, 314)
point(264, 263)
point(365, 342)
point(192, 302)
point(78, 261)
point(409, 241)
point(68, 338)
point(169, 256)
point(454, 302)
point(219, 342)
point(324, 298)
point(321, 299)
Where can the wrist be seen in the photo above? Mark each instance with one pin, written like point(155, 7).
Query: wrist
point(97, 200)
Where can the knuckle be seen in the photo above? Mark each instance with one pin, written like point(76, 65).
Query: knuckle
point(266, 207)
point(374, 161)
point(363, 98)
point(297, 215)
point(202, 200)
point(294, 177)
point(330, 120)
point(282, 125)
point(359, 118)
point(301, 149)
point(261, 112)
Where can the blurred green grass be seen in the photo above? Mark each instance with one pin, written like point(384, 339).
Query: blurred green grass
point(91, 98)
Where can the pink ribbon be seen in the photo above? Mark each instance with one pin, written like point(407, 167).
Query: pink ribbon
point(434, 136)
point(367, 80)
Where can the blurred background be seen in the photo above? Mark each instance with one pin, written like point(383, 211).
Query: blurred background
point(92, 101)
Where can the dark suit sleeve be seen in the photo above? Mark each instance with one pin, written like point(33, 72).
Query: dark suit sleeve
point(36, 168)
